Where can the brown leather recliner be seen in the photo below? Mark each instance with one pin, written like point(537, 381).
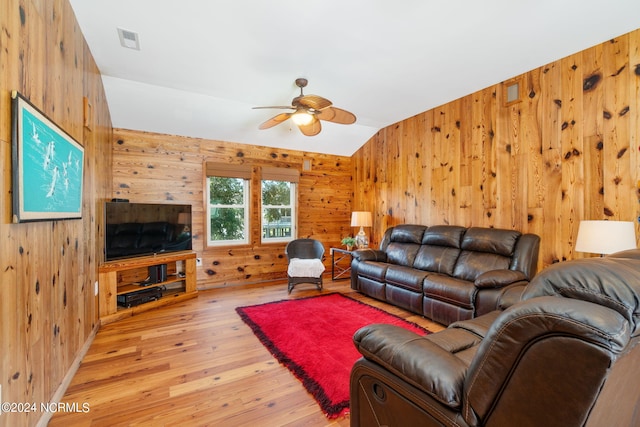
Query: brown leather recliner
point(567, 354)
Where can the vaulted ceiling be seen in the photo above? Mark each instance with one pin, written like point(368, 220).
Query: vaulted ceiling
point(203, 64)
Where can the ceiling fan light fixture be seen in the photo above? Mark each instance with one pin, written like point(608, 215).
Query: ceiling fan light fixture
point(301, 118)
point(307, 111)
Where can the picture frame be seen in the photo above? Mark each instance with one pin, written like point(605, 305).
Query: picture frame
point(48, 166)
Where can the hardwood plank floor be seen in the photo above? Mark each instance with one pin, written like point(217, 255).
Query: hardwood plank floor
point(197, 364)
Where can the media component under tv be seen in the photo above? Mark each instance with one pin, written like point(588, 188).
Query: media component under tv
point(142, 296)
point(139, 229)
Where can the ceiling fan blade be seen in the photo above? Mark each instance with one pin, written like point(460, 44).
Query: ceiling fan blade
point(336, 115)
point(287, 107)
point(275, 120)
point(312, 128)
point(314, 101)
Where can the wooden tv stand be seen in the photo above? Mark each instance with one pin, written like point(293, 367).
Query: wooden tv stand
point(128, 275)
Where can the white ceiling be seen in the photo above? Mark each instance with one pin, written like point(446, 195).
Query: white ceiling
point(203, 64)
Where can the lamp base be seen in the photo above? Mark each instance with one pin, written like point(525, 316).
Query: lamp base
point(362, 241)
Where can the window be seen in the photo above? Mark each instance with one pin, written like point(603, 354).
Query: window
point(227, 204)
point(228, 210)
point(278, 210)
point(278, 195)
point(229, 195)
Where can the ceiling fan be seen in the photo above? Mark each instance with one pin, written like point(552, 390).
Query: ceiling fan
point(307, 112)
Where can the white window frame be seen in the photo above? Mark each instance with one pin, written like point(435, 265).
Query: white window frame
point(245, 206)
point(293, 197)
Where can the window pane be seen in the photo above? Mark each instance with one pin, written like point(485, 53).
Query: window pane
point(276, 222)
point(226, 191)
point(227, 224)
point(276, 193)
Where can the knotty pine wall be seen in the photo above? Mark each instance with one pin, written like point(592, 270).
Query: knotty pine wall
point(159, 168)
point(47, 269)
point(568, 151)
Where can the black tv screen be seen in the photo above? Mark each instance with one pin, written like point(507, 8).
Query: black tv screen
point(138, 229)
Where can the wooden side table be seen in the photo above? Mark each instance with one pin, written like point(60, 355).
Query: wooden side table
point(338, 269)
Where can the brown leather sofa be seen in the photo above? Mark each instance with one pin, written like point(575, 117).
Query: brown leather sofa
point(445, 272)
point(567, 354)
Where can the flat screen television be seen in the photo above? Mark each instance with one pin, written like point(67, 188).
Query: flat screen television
point(138, 229)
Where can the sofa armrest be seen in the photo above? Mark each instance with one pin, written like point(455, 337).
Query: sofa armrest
point(369, 255)
point(511, 295)
point(416, 360)
point(499, 278)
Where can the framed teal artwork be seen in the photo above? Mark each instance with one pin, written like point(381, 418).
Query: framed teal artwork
point(47, 166)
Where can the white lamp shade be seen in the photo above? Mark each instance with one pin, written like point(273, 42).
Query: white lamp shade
point(361, 219)
point(605, 237)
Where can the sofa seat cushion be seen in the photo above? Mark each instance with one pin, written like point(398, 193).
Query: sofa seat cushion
point(405, 277)
point(478, 325)
point(464, 336)
point(299, 267)
point(460, 342)
point(373, 270)
point(454, 291)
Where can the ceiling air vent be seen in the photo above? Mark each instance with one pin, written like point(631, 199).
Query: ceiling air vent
point(129, 39)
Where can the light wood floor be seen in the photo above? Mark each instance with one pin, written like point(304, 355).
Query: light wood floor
point(197, 364)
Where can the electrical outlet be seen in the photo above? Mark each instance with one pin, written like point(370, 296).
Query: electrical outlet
point(198, 262)
point(95, 288)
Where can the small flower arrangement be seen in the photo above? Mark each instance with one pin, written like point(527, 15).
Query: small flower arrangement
point(349, 242)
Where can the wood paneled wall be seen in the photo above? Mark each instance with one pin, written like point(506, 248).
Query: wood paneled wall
point(149, 167)
point(48, 309)
point(569, 150)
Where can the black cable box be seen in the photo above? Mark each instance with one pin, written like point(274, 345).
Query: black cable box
point(132, 299)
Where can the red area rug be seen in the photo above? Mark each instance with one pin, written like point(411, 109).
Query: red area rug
point(313, 338)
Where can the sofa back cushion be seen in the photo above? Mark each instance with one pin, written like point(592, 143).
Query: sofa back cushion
point(492, 240)
point(612, 281)
point(408, 233)
point(485, 249)
point(404, 243)
point(440, 249)
point(444, 235)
